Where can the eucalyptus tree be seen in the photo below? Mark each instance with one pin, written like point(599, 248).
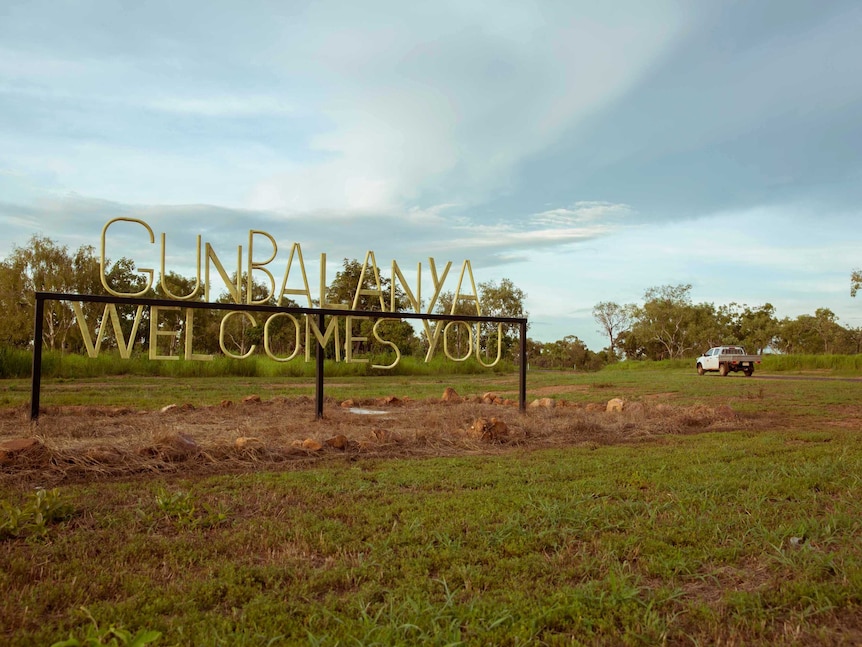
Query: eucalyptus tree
point(668, 319)
point(614, 320)
point(44, 266)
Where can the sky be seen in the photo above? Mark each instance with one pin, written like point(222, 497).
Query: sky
point(585, 151)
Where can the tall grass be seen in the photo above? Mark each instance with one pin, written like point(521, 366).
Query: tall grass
point(842, 364)
point(837, 363)
point(15, 363)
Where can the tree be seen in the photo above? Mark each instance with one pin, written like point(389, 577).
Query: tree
point(797, 336)
point(44, 266)
point(754, 328)
point(826, 326)
point(567, 353)
point(176, 319)
point(242, 330)
point(123, 277)
point(668, 319)
point(811, 335)
point(852, 341)
point(503, 300)
point(16, 324)
point(614, 320)
point(351, 286)
point(458, 337)
point(855, 282)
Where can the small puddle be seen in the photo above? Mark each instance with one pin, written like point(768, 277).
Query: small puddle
point(367, 412)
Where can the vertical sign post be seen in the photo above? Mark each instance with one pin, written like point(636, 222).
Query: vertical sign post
point(318, 386)
point(36, 385)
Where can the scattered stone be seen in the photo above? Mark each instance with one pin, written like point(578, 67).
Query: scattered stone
point(246, 441)
point(311, 445)
point(176, 447)
point(545, 403)
point(169, 407)
point(615, 404)
point(390, 400)
point(450, 395)
point(489, 429)
point(348, 404)
point(385, 436)
point(594, 406)
point(251, 399)
point(489, 398)
point(226, 404)
point(338, 442)
point(22, 449)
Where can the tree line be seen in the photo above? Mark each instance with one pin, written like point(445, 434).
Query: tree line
point(44, 266)
point(668, 324)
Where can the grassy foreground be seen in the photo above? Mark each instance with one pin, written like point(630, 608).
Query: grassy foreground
point(740, 537)
point(732, 538)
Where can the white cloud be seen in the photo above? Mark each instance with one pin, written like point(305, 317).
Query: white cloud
point(458, 108)
point(239, 105)
point(582, 212)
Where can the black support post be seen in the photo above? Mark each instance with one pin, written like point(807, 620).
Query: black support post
point(522, 387)
point(36, 384)
point(318, 387)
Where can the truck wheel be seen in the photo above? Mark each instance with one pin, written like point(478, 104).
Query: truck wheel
point(722, 370)
point(748, 371)
point(700, 370)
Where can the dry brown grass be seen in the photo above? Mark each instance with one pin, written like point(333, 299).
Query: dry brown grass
point(86, 443)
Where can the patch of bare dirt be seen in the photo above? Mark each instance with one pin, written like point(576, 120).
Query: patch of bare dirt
point(89, 442)
point(566, 388)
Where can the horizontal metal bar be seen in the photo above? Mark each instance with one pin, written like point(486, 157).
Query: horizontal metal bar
point(206, 305)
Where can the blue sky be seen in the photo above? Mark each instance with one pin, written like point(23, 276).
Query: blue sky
point(586, 151)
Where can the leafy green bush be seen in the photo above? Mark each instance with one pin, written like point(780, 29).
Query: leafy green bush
point(110, 637)
point(31, 520)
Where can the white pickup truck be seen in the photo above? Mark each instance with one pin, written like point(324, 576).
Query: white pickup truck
point(725, 359)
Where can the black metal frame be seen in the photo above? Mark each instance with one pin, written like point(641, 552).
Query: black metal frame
point(41, 297)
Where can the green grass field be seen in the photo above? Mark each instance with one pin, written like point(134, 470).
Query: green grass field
point(737, 538)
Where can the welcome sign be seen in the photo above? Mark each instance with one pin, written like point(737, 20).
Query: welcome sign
point(285, 277)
